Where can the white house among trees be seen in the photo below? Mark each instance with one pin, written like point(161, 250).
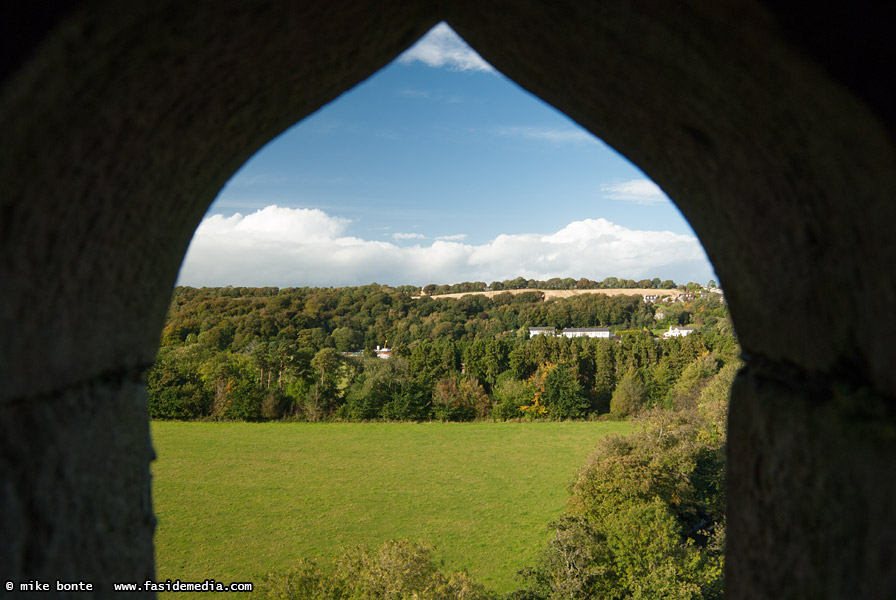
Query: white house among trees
point(676, 331)
point(594, 332)
point(571, 332)
point(533, 331)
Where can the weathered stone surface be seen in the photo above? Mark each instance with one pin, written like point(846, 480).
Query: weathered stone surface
point(772, 130)
point(75, 502)
point(812, 486)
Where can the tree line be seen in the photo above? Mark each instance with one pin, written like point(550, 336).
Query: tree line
point(265, 353)
point(557, 283)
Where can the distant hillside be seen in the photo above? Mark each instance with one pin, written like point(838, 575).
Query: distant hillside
point(549, 294)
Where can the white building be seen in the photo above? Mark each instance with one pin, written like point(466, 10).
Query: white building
point(593, 332)
point(676, 331)
point(533, 331)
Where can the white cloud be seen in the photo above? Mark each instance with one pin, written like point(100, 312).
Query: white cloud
point(457, 237)
point(637, 191)
point(442, 47)
point(296, 247)
point(408, 236)
point(557, 136)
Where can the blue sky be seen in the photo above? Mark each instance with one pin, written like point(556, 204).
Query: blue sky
point(438, 169)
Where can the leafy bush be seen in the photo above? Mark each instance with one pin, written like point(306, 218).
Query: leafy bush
point(398, 570)
point(629, 396)
point(460, 399)
point(274, 405)
point(693, 379)
point(385, 389)
point(563, 396)
point(244, 401)
point(646, 519)
point(510, 396)
point(412, 402)
point(175, 389)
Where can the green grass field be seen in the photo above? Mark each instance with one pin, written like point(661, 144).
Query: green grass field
point(237, 500)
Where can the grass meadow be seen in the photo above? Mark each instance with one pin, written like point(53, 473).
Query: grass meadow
point(237, 500)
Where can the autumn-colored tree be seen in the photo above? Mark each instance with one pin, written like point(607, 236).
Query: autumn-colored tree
point(460, 399)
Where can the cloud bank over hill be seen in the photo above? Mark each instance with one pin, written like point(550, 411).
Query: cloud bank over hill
point(288, 247)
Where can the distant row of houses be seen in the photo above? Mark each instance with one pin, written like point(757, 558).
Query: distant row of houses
point(669, 298)
point(594, 332)
point(570, 332)
point(601, 332)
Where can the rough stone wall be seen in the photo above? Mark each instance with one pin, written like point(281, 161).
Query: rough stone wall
point(121, 124)
point(811, 488)
point(75, 487)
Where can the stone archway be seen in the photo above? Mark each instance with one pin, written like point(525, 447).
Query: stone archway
point(119, 129)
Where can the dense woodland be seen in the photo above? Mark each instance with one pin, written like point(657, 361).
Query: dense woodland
point(268, 353)
point(646, 513)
